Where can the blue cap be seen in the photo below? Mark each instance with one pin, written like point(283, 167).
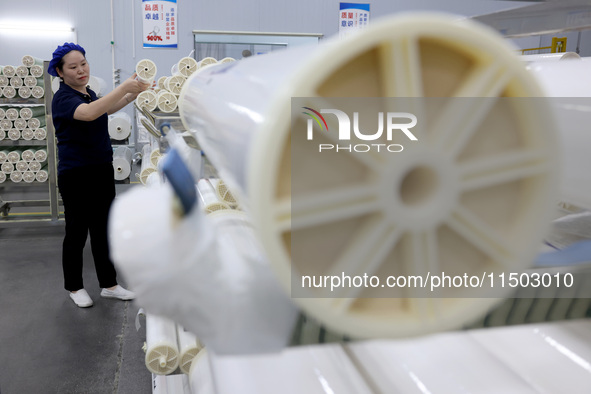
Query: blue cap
point(59, 53)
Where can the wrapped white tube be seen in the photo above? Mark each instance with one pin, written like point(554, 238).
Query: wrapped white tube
point(21, 166)
point(15, 155)
point(36, 71)
point(5, 124)
point(147, 99)
point(24, 92)
point(12, 113)
point(167, 101)
point(35, 166)
point(2, 113)
point(27, 134)
point(119, 126)
point(2, 177)
point(14, 134)
point(550, 57)
point(31, 81)
point(41, 155)
point(153, 180)
point(146, 169)
point(42, 175)
point(16, 82)
point(30, 61)
point(241, 113)
point(20, 124)
point(4, 81)
point(36, 122)
point(155, 156)
point(28, 112)
point(40, 134)
point(28, 176)
point(4, 155)
point(38, 92)
point(146, 71)
point(187, 66)
point(9, 92)
point(189, 347)
point(175, 84)
point(161, 82)
point(9, 71)
point(16, 176)
point(122, 162)
point(162, 353)
point(22, 71)
point(209, 198)
point(28, 155)
point(7, 167)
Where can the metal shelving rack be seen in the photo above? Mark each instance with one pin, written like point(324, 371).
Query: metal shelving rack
point(53, 201)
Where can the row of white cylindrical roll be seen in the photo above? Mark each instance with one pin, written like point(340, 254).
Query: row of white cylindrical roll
point(24, 92)
point(23, 81)
point(28, 165)
point(26, 123)
point(169, 346)
point(164, 96)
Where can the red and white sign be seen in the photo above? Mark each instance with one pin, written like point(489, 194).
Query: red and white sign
point(159, 21)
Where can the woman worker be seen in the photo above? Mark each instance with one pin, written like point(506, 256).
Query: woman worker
point(85, 170)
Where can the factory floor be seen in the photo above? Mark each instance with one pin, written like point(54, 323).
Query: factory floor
point(47, 343)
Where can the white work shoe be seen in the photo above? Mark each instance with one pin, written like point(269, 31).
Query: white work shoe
point(81, 298)
point(119, 293)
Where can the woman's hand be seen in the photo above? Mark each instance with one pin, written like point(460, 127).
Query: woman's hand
point(134, 87)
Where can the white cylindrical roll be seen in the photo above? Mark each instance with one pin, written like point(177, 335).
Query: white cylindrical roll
point(4, 155)
point(147, 99)
point(14, 155)
point(550, 57)
point(38, 92)
point(22, 71)
point(28, 155)
point(13, 134)
point(242, 118)
point(9, 92)
point(20, 124)
point(98, 85)
point(206, 61)
point(16, 82)
point(5, 124)
point(2, 177)
point(9, 71)
point(36, 71)
point(119, 126)
point(35, 166)
point(161, 82)
point(187, 66)
point(21, 166)
point(122, 162)
point(30, 61)
point(7, 167)
point(41, 155)
point(189, 346)
point(12, 113)
point(223, 192)
point(4, 81)
point(2, 113)
point(209, 198)
point(167, 101)
point(28, 176)
point(175, 84)
point(154, 179)
point(36, 122)
point(2, 136)
point(27, 134)
point(16, 176)
point(24, 92)
point(40, 134)
point(227, 60)
point(42, 175)
point(146, 71)
point(162, 352)
point(28, 112)
point(155, 156)
point(31, 81)
point(146, 169)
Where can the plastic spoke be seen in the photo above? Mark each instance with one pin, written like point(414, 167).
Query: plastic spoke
point(400, 68)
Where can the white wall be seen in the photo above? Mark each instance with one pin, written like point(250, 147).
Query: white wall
point(92, 20)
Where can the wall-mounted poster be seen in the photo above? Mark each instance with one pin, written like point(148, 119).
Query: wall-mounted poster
point(352, 17)
point(160, 27)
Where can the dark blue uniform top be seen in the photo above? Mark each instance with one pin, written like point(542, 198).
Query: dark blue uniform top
point(79, 143)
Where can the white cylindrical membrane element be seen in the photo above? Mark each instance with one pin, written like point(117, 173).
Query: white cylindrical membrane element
point(5, 124)
point(12, 113)
point(206, 61)
point(161, 82)
point(550, 57)
point(224, 193)
point(14, 155)
point(28, 176)
point(28, 112)
point(189, 346)
point(153, 179)
point(24, 92)
point(27, 134)
point(16, 82)
point(40, 134)
point(16, 176)
point(35, 166)
point(13, 134)
point(146, 71)
point(175, 84)
point(36, 122)
point(2, 177)
point(2, 113)
point(9, 71)
point(9, 92)
point(4, 155)
point(30, 61)
point(227, 60)
point(32, 81)
point(167, 101)
point(28, 155)
point(146, 169)
point(7, 167)
point(162, 352)
point(209, 198)
point(22, 71)
point(122, 162)
point(187, 66)
point(42, 175)
point(20, 124)
point(147, 99)
point(2, 137)
point(4, 81)
point(119, 126)
point(41, 155)
point(241, 116)
point(97, 85)
point(21, 166)
point(36, 71)
point(37, 92)
point(155, 156)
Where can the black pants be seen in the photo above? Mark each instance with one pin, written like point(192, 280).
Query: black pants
point(87, 193)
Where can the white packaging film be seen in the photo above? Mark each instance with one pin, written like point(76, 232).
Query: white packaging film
point(122, 162)
point(162, 352)
point(550, 57)
point(240, 115)
point(209, 198)
point(119, 126)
